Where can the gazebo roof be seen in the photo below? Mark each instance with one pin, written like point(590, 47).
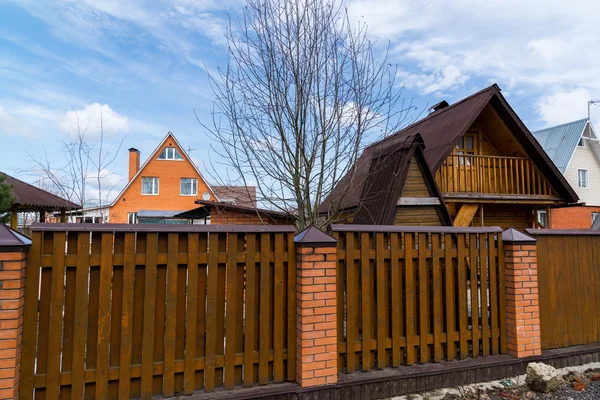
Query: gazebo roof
point(27, 197)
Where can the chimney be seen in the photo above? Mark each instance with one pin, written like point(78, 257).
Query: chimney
point(134, 162)
point(442, 104)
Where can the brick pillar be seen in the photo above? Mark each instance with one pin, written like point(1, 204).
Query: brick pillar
point(13, 256)
point(522, 302)
point(316, 339)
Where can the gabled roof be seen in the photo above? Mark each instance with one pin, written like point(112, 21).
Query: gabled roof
point(153, 155)
point(440, 131)
point(560, 141)
point(28, 196)
point(239, 195)
point(386, 179)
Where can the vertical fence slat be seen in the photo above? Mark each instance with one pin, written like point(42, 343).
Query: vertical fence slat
point(278, 334)
point(104, 315)
point(189, 373)
point(232, 292)
point(220, 351)
point(410, 298)
point(366, 298)
point(251, 311)
point(201, 327)
point(211, 312)
point(170, 315)
point(474, 293)
point(69, 314)
point(56, 315)
point(265, 276)
point(437, 297)
point(485, 290)
point(449, 288)
point(462, 296)
point(423, 299)
point(493, 294)
point(381, 296)
point(397, 353)
point(149, 309)
point(127, 316)
point(502, 292)
point(351, 302)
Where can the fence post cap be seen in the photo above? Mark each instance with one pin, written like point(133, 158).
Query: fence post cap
point(11, 240)
point(513, 236)
point(314, 237)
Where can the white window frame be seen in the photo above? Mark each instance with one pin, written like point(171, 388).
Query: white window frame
point(129, 217)
point(587, 179)
point(155, 185)
point(539, 214)
point(194, 186)
point(173, 152)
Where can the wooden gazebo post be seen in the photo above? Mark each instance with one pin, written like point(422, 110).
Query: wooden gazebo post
point(14, 221)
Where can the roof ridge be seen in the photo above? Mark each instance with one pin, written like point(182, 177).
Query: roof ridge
point(560, 125)
point(437, 113)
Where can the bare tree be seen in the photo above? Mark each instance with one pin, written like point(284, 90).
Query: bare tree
point(85, 158)
point(301, 95)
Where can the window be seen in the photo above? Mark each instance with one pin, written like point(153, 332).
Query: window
point(581, 143)
point(188, 186)
point(170, 153)
point(542, 218)
point(594, 216)
point(582, 178)
point(131, 218)
point(466, 145)
point(150, 186)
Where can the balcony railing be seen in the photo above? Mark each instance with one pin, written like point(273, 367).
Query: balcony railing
point(491, 175)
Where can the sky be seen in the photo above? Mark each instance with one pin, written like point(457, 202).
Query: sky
point(142, 65)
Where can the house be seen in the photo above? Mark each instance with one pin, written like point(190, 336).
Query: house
point(30, 200)
point(488, 167)
point(575, 150)
point(169, 188)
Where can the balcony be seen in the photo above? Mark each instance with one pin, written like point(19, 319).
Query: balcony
point(465, 176)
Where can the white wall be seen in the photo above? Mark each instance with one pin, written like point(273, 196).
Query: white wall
point(584, 158)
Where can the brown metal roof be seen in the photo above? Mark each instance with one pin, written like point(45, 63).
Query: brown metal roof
point(27, 196)
point(440, 130)
point(10, 239)
point(241, 195)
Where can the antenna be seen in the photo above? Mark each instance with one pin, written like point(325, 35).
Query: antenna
point(592, 102)
point(189, 149)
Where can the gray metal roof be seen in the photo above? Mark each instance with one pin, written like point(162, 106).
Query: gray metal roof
point(560, 141)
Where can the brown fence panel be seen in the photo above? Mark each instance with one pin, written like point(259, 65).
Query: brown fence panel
point(123, 311)
point(569, 285)
point(418, 294)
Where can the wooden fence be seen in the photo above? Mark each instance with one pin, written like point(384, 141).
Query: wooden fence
point(128, 311)
point(569, 285)
point(408, 295)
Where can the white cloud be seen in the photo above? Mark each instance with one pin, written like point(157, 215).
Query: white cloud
point(564, 106)
point(92, 118)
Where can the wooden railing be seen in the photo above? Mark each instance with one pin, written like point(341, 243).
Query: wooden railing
point(416, 294)
point(491, 175)
point(130, 311)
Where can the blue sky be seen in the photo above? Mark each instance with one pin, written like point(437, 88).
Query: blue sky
point(146, 62)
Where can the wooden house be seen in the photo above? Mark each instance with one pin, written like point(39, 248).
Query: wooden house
point(488, 168)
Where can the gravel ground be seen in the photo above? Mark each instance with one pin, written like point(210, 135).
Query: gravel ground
point(585, 376)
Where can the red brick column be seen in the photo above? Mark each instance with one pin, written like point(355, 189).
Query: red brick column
point(316, 339)
point(522, 302)
point(12, 298)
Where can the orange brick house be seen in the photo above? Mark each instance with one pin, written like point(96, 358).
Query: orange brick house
point(166, 188)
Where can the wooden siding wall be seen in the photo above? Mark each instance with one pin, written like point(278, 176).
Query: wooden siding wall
point(409, 297)
point(417, 216)
point(569, 282)
point(137, 314)
point(505, 216)
point(415, 185)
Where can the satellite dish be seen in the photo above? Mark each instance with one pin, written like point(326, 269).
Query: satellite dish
point(206, 196)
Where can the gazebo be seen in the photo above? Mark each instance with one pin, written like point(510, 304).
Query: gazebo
point(28, 198)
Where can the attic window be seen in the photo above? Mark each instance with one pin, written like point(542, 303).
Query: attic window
point(170, 153)
point(581, 143)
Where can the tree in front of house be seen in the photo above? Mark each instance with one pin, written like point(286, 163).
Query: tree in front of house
point(6, 200)
point(302, 94)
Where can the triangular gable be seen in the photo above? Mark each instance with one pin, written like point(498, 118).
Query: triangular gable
point(154, 155)
point(560, 141)
point(386, 180)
